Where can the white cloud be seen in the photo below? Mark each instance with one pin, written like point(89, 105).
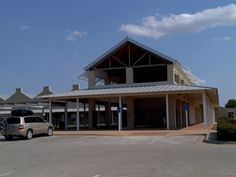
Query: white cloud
point(225, 38)
point(74, 35)
point(20, 26)
point(23, 27)
point(156, 27)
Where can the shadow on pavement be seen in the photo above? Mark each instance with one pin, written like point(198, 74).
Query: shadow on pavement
point(211, 138)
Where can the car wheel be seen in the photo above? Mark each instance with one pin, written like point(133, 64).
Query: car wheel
point(8, 138)
point(50, 131)
point(29, 134)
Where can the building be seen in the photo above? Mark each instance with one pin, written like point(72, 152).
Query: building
point(146, 88)
point(64, 114)
point(19, 99)
point(224, 112)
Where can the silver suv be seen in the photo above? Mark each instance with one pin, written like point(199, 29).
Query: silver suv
point(25, 126)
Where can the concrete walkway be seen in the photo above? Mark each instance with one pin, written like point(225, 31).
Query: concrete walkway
point(193, 130)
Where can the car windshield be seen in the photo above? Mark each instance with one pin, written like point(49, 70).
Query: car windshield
point(13, 120)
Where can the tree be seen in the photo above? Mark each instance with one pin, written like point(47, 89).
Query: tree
point(231, 103)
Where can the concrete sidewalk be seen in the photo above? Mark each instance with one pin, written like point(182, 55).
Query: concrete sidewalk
point(197, 129)
point(182, 132)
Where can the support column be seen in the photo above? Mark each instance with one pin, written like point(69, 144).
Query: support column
point(77, 114)
point(204, 103)
point(170, 74)
point(167, 113)
point(85, 116)
point(66, 116)
point(43, 111)
point(91, 109)
point(120, 115)
point(108, 114)
point(91, 79)
point(50, 111)
point(186, 118)
point(99, 116)
point(129, 76)
point(172, 111)
point(175, 116)
point(130, 112)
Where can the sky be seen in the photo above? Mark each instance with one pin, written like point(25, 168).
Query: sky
point(50, 42)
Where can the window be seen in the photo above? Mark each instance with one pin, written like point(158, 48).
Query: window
point(177, 78)
point(150, 74)
point(13, 120)
point(30, 119)
point(39, 120)
point(231, 114)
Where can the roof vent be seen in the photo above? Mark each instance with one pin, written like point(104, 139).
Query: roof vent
point(18, 90)
point(76, 87)
point(46, 88)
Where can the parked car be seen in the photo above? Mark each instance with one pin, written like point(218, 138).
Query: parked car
point(25, 126)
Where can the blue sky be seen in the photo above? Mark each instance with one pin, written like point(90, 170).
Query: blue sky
point(50, 42)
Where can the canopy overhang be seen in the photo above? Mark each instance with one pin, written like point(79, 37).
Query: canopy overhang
point(135, 90)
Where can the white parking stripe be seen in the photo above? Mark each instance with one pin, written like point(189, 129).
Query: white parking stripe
point(96, 176)
point(155, 140)
point(5, 174)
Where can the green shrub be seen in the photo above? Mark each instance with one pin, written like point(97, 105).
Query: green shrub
point(226, 129)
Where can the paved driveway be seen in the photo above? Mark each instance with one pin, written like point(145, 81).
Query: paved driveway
point(101, 156)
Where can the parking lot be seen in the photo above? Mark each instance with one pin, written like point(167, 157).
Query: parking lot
point(116, 156)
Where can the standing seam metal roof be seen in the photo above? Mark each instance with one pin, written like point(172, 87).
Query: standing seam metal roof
point(129, 90)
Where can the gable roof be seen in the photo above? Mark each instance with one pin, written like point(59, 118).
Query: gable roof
point(120, 45)
point(1, 100)
point(19, 97)
point(46, 91)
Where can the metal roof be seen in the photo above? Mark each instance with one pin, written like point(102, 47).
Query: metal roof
point(18, 97)
point(1, 100)
point(131, 90)
point(123, 42)
point(46, 91)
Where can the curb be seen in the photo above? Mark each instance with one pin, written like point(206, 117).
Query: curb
point(211, 138)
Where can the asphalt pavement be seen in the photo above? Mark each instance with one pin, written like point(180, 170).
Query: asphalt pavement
point(116, 156)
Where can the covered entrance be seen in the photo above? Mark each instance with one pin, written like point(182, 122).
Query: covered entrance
point(158, 106)
point(150, 112)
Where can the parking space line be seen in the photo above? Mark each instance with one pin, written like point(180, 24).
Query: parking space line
point(96, 176)
point(155, 140)
point(5, 174)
